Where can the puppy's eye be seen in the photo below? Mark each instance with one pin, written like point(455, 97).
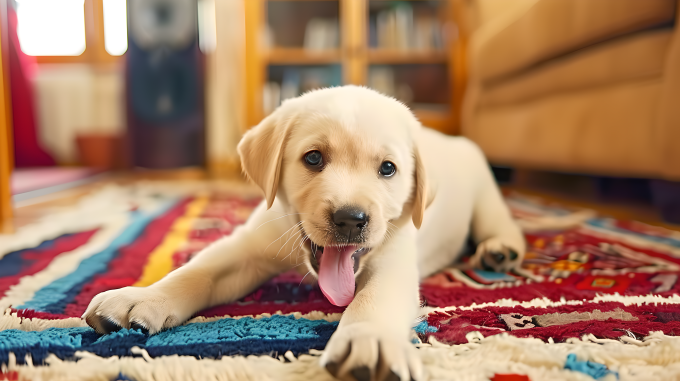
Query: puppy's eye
point(387, 169)
point(314, 159)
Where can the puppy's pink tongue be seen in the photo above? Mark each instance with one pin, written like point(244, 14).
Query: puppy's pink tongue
point(336, 274)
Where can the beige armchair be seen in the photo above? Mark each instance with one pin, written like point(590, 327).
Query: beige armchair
point(589, 86)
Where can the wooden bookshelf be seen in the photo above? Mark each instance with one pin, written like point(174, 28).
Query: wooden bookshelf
point(6, 151)
point(356, 55)
point(301, 56)
point(384, 56)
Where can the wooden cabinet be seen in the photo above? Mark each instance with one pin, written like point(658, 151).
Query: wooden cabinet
point(411, 49)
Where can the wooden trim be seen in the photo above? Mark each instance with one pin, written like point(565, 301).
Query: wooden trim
point(4, 54)
point(353, 23)
point(458, 71)
point(255, 67)
point(5, 134)
point(388, 56)
point(286, 56)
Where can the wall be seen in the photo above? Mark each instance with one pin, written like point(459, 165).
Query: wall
point(76, 99)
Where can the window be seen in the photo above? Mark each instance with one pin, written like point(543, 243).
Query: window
point(115, 27)
point(51, 28)
point(89, 31)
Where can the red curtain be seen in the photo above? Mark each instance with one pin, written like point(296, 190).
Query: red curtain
point(27, 149)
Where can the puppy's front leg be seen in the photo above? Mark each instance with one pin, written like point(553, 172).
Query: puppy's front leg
point(372, 340)
point(223, 272)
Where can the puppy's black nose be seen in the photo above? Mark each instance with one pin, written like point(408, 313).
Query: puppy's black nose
point(349, 222)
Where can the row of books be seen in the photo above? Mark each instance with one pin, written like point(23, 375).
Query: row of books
point(320, 34)
point(382, 79)
point(401, 27)
point(404, 27)
point(296, 81)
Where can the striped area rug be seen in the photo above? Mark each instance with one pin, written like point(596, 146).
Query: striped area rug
point(598, 300)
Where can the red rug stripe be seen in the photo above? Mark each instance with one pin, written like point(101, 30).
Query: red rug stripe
point(126, 269)
point(453, 326)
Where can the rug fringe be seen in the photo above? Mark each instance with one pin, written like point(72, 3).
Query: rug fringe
point(657, 356)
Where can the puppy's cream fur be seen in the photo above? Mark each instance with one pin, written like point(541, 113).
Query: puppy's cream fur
point(443, 186)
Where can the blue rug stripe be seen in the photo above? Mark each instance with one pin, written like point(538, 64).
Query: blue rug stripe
point(227, 337)
point(58, 289)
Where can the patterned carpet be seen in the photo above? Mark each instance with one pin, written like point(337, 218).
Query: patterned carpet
point(596, 301)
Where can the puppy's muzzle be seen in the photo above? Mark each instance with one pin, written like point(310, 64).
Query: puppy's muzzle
point(350, 224)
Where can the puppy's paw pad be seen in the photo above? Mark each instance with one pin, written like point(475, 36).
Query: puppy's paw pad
point(362, 373)
point(493, 255)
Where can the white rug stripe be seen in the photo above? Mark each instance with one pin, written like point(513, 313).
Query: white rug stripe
point(10, 320)
point(65, 263)
point(657, 357)
point(314, 315)
point(626, 300)
point(90, 212)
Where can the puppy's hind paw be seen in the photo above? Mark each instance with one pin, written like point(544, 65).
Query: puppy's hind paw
point(494, 255)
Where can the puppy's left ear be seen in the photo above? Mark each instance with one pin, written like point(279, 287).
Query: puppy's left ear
point(261, 151)
point(423, 194)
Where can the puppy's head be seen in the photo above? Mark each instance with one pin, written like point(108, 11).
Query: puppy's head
point(346, 161)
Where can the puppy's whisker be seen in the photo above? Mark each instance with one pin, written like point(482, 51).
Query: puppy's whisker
point(285, 243)
point(281, 236)
point(303, 279)
point(278, 218)
point(293, 246)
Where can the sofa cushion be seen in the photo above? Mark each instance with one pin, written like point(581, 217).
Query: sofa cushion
point(641, 55)
point(601, 130)
point(551, 28)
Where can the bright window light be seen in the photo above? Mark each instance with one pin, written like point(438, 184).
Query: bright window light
point(207, 27)
point(115, 27)
point(51, 28)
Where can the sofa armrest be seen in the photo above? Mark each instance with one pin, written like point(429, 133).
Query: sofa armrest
point(667, 134)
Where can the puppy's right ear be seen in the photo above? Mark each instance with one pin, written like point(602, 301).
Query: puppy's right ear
point(261, 152)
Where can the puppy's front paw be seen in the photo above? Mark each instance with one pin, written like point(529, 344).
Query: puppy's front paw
point(369, 352)
point(131, 307)
point(494, 255)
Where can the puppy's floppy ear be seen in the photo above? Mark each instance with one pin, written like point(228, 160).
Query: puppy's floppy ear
point(261, 152)
point(423, 195)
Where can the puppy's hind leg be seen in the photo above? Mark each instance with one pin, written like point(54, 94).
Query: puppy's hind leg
point(500, 242)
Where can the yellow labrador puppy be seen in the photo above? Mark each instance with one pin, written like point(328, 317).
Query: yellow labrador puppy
point(347, 175)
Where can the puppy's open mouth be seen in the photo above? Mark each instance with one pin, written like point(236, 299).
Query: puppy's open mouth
point(336, 266)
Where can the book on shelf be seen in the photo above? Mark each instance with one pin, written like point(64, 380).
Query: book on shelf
point(401, 27)
point(381, 78)
point(321, 34)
